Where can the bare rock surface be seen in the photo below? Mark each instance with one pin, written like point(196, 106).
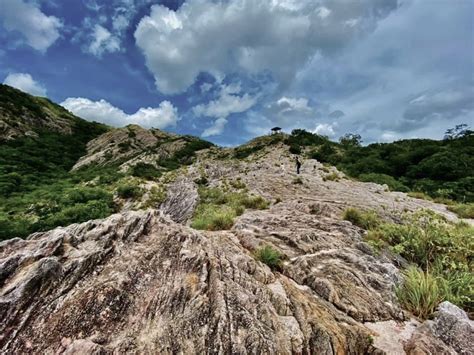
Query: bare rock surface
point(145, 282)
point(128, 146)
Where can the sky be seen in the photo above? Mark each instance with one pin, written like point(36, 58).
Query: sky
point(230, 70)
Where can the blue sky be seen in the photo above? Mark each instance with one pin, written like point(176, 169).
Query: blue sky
point(230, 70)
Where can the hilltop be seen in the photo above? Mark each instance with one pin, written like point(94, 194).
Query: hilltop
point(169, 244)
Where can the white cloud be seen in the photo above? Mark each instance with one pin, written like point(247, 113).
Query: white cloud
point(26, 83)
point(103, 41)
point(228, 102)
point(291, 105)
point(325, 129)
point(279, 36)
point(39, 30)
point(216, 128)
point(165, 115)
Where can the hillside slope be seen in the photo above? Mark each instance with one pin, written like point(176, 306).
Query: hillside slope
point(148, 282)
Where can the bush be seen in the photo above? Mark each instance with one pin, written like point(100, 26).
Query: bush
point(78, 213)
point(269, 256)
point(331, 177)
point(129, 190)
point(146, 171)
point(217, 209)
point(444, 250)
point(420, 292)
point(212, 218)
point(463, 210)
point(295, 149)
point(365, 220)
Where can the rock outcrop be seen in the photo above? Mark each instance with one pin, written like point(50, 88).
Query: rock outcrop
point(450, 332)
point(145, 282)
point(25, 115)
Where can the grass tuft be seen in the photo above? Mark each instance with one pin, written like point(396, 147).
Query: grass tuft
point(270, 256)
point(366, 220)
point(463, 210)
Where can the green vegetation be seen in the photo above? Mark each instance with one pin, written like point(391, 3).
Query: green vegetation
point(185, 155)
point(269, 256)
point(421, 292)
point(130, 189)
point(257, 145)
point(217, 209)
point(362, 219)
point(37, 189)
point(146, 171)
point(331, 177)
point(463, 210)
point(442, 254)
point(442, 169)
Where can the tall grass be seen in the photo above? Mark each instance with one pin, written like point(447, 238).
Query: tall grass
point(362, 219)
point(217, 209)
point(421, 292)
point(442, 255)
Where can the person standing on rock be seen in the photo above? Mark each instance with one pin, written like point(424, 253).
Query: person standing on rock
point(298, 165)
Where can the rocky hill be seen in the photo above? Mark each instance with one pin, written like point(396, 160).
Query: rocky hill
point(212, 250)
point(25, 115)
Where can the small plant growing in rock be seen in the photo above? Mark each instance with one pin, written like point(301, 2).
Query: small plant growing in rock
point(213, 218)
point(420, 292)
point(362, 219)
point(298, 181)
point(331, 177)
point(238, 184)
point(269, 256)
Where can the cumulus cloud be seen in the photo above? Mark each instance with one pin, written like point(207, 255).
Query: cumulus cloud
point(165, 115)
point(228, 102)
point(325, 129)
point(104, 29)
point(248, 36)
point(26, 83)
point(102, 42)
point(38, 30)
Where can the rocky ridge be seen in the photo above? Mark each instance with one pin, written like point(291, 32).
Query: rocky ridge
point(146, 282)
point(25, 115)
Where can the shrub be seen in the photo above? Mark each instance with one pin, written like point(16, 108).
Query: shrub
point(217, 209)
point(365, 220)
point(269, 256)
point(463, 210)
point(238, 184)
point(295, 149)
point(129, 190)
point(420, 292)
point(146, 171)
point(156, 196)
point(213, 218)
point(443, 249)
point(331, 177)
point(255, 202)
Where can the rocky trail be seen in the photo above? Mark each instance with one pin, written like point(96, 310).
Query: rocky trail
point(146, 282)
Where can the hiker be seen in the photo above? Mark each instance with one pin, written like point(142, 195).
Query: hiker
point(298, 165)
